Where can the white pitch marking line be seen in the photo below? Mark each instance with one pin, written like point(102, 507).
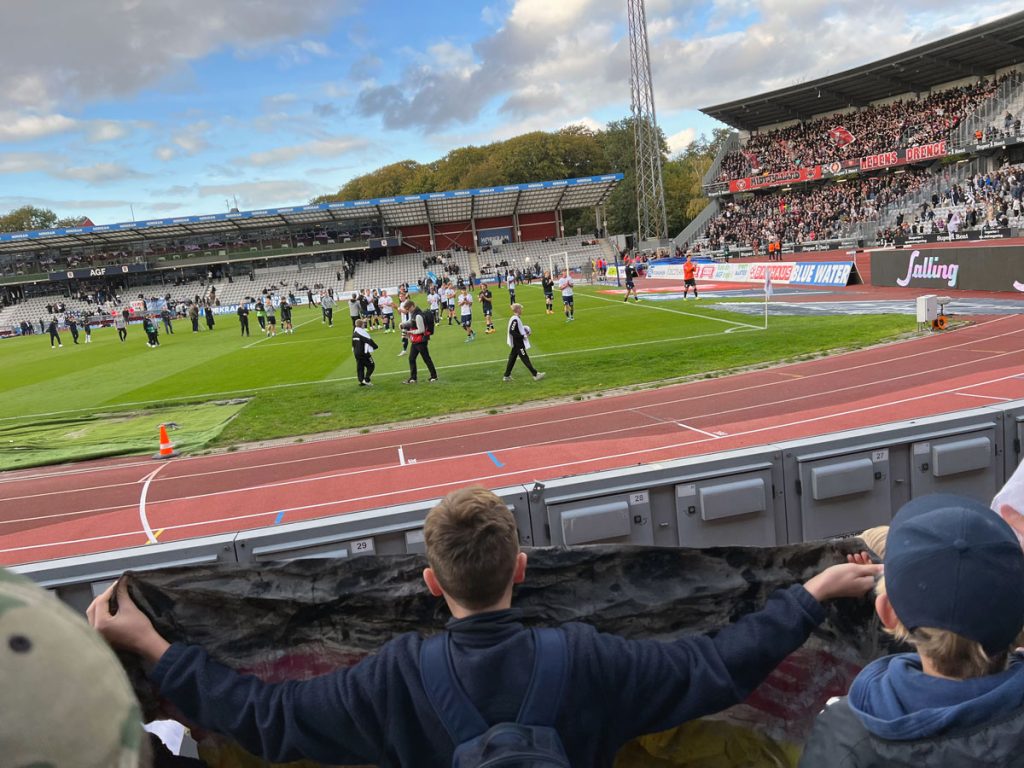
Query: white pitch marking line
point(681, 312)
point(260, 341)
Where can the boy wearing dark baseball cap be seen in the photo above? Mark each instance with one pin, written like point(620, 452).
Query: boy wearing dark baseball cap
point(954, 590)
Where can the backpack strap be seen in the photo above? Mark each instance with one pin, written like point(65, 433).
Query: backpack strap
point(544, 696)
point(457, 713)
point(460, 718)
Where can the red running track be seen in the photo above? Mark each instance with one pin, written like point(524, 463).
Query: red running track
point(106, 505)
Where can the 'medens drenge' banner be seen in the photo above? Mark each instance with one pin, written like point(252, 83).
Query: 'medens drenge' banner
point(977, 268)
point(820, 273)
point(903, 156)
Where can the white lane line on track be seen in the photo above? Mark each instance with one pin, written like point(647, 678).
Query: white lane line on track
point(985, 397)
point(520, 426)
point(500, 475)
point(633, 428)
point(712, 435)
point(150, 536)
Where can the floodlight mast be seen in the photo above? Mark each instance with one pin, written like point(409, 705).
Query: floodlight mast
point(652, 221)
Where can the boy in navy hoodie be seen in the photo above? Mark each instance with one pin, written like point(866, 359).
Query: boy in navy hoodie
point(379, 712)
point(954, 590)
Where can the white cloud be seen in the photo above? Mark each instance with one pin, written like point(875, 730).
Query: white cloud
point(550, 59)
point(261, 194)
point(333, 146)
point(107, 130)
point(95, 49)
point(165, 153)
point(98, 173)
point(303, 52)
point(191, 139)
point(677, 142)
point(63, 206)
point(25, 162)
point(14, 127)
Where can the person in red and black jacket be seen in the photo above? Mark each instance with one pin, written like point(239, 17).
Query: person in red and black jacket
point(419, 330)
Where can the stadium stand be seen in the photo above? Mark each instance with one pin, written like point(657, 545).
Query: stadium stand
point(878, 166)
point(867, 154)
point(990, 200)
point(869, 131)
point(806, 215)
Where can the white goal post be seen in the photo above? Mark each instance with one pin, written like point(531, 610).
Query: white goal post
point(563, 261)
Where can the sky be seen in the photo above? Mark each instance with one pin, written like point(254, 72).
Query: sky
point(136, 109)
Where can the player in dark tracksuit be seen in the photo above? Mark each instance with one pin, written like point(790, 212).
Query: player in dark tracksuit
point(286, 317)
point(486, 301)
point(518, 340)
point(631, 275)
point(54, 336)
point(362, 349)
point(243, 318)
point(547, 283)
point(153, 339)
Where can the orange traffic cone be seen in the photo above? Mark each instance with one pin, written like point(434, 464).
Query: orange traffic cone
point(166, 446)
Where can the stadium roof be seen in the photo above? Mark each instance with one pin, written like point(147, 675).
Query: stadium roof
point(394, 212)
point(979, 51)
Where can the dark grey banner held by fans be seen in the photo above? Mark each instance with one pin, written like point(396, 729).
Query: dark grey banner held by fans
point(977, 268)
point(297, 620)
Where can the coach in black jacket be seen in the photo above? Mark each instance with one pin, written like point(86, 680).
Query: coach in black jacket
point(362, 349)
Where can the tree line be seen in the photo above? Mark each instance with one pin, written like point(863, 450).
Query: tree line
point(28, 218)
point(571, 152)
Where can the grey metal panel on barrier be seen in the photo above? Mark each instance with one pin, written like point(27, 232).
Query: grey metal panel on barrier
point(845, 482)
point(695, 502)
point(389, 531)
point(737, 509)
point(843, 493)
point(965, 464)
point(77, 580)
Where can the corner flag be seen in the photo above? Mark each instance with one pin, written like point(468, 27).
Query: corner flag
point(767, 283)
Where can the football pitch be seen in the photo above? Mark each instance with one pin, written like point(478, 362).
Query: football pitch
point(221, 390)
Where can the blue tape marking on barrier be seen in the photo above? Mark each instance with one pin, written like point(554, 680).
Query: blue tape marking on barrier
point(280, 517)
point(494, 458)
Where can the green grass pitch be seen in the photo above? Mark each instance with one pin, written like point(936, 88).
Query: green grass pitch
point(305, 383)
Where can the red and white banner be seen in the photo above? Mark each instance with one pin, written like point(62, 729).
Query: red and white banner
point(795, 176)
point(897, 157)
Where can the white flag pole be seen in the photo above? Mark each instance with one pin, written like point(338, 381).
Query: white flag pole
point(767, 292)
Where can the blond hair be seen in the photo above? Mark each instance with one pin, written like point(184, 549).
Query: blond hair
point(951, 654)
point(472, 544)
